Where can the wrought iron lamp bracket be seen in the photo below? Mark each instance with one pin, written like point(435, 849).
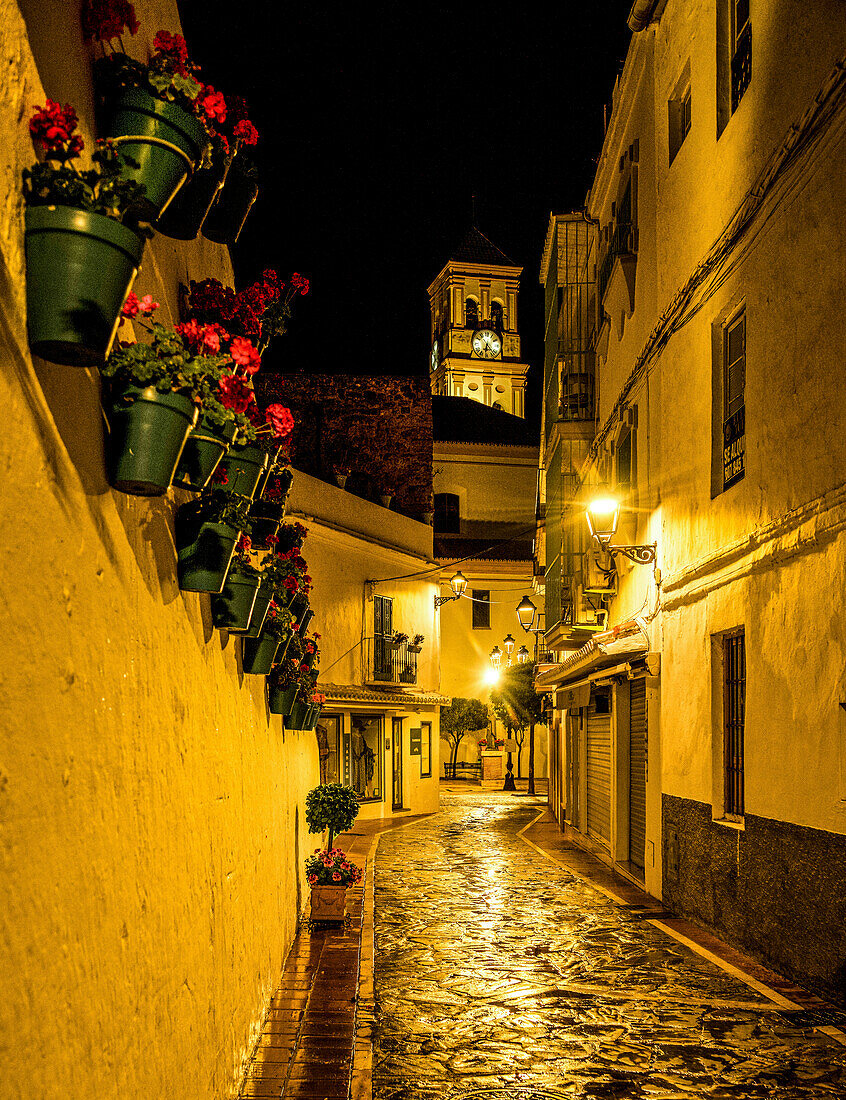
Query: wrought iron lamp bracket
point(640, 555)
point(444, 599)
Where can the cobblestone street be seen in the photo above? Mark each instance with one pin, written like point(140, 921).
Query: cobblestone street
point(498, 970)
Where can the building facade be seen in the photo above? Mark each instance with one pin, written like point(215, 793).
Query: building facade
point(700, 730)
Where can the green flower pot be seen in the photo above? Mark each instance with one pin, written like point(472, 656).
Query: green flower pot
point(310, 720)
point(263, 597)
point(165, 140)
point(204, 550)
point(147, 431)
point(204, 449)
point(296, 718)
point(298, 606)
point(234, 203)
point(184, 217)
point(305, 621)
point(244, 467)
point(281, 700)
point(79, 269)
point(258, 654)
point(232, 608)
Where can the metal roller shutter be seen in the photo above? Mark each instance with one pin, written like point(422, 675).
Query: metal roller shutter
point(637, 773)
point(599, 776)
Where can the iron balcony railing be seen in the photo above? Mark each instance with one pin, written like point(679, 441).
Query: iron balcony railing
point(394, 664)
point(622, 243)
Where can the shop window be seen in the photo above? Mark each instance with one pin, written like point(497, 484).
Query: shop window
point(426, 750)
point(447, 519)
point(366, 756)
point(481, 608)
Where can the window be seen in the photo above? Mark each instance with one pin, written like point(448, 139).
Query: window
point(366, 756)
point(734, 400)
point(426, 750)
point(329, 743)
point(481, 608)
point(734, 713)
point(447, 520)
point(678, 110)
point(741, 51)
point(383, 632)
point(496, 316)
point(471, 313)
point(624, 462)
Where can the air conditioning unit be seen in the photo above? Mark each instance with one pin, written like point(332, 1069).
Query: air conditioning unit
point(599, 578)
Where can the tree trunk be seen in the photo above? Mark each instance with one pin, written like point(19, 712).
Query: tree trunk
point(331, 838)
point(531, 789)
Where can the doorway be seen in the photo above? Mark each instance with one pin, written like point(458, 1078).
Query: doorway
point(396, 731)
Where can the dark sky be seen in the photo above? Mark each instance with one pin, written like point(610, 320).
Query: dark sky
point(378, 122)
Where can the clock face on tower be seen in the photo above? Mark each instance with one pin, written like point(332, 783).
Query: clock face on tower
point(433, 362)
point(486, 343)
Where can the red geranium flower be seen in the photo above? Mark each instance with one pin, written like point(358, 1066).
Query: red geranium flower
point(212, 103)
point(244, 545)
point(245, 132)
point(54, 126)
point(280, 420)
point(174, 48)
point(107, 19)
point(234, 393)
point(191, 332)
point(245, 355)
point(300, 283)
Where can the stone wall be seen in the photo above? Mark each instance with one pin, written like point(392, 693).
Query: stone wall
point(772, 887)
point(152, 810)
point(378, 427)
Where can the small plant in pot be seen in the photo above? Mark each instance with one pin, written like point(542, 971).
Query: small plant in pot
point(234, 201)
point(416, 643)
point(284, 678)
point(206, 531)
point(268, 509)
point(271, 642)
point(155, 390)
point(158, 111)
point(332, 807)
point(232, 607)
point(83, 245)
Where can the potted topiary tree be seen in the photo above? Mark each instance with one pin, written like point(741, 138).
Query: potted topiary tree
point(334, 807)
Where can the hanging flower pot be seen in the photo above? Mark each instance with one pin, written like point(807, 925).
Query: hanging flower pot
point(281, 700)
point(204, 448)
point(234, 203)
point(296, 717)
point(163, 139)
point(267, 509)
point(310, 718)
point(80, 267)
point(385, 499)
point(146, 433)
point(205, 539)
point(232, 608)
point(258, 654)
point(263, 598)
point(243, 468)
point(184, 217)
point(305, 620)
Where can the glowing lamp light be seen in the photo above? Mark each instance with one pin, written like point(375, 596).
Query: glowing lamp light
point(509, 644)
point(602, 516)
point(458, 584)
point(526, 612)
point(492, 677)
point(496, 656)
point(522, 655)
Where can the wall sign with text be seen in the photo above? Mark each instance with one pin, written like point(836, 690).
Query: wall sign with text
point(734, 448)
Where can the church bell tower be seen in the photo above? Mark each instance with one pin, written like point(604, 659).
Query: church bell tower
point(475, 345)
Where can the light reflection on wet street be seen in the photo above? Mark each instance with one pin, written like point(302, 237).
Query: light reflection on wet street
point(496, 969)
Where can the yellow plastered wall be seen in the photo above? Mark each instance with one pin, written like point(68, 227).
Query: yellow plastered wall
point(151, 810)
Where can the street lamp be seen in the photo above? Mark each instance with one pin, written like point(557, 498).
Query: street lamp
point(458, 583)
point(522, 655)
point(602, 515)
point(526, 612)
point(509, 646)
point(496, 656)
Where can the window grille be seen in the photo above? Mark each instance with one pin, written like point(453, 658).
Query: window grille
point(481, 608)
point(734, 710)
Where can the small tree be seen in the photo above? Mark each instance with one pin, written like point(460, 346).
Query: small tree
point(331, 806)
point(458, 719)
point(518, 705)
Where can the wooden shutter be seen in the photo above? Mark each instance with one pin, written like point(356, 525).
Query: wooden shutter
point(637, 773)
point(383, 629)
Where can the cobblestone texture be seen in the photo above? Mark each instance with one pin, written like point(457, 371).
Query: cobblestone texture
point(497, 970)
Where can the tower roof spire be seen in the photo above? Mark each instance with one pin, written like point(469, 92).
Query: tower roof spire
point(475, 248)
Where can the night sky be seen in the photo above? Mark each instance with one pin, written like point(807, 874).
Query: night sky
point(378, 123)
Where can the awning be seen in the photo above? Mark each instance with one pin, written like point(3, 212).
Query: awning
point(391, 697)
point(598, 655)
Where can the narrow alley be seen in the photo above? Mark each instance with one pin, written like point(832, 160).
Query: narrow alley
point(499, 972)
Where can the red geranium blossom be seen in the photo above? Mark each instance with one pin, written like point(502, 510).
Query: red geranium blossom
point(245, 132)
point(212, 103)
point(300, 283)
point(132, 306)
point(174, 48)
point(280, 420)
point(54, 126)
point(104, 20)
point(244, 545)
point(245, 355)
point(235, 394)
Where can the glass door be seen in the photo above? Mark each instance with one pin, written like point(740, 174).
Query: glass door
point(397, 769)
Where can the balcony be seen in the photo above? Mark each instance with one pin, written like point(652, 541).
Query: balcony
point(623, 243)
point(392, 664)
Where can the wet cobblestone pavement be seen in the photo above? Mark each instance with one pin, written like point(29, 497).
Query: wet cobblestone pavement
point(496, 970)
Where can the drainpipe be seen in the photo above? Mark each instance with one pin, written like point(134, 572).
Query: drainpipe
point(641, 14)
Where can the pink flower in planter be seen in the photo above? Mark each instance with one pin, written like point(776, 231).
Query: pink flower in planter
point(336, 877)
point(312, 879)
